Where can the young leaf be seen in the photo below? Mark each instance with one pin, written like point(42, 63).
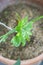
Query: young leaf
point(3, 38)
point(16, 41)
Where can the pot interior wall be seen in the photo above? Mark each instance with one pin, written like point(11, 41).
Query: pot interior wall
point(36, 3)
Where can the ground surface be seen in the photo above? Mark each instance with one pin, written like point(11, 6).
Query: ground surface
point(32, 48)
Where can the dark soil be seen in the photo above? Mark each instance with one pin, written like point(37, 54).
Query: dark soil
point(32, 48)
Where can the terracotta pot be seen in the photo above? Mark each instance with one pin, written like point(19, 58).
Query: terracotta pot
point(35, 3)
point(24, 62)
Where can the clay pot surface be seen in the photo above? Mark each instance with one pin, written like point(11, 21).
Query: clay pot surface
point(5, 3)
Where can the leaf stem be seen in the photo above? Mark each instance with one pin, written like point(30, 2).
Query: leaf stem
point(36, 19)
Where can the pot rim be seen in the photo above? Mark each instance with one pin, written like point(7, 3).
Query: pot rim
point(23, 62)
point(16, 2)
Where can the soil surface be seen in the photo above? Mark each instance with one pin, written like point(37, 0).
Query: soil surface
point(32, 48)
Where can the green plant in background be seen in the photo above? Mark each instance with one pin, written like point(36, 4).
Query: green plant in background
point(18, 62)
point(22, 30)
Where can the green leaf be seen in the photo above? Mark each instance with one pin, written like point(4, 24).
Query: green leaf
point(16, 41)
point(28, 26)
point(23, 42)
point(18, 62)
point(23, 37)
point(24, 21)
point(3, 38)
point(21, 23)
point(37, 18)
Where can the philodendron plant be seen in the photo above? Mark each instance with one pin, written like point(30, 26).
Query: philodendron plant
point(22, 30)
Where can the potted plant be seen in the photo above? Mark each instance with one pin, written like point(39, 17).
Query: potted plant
point(22, 33)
